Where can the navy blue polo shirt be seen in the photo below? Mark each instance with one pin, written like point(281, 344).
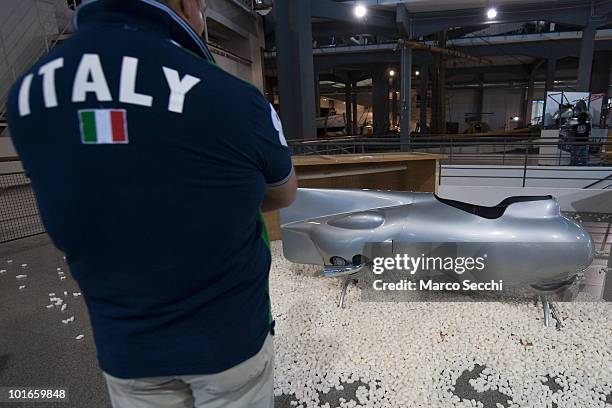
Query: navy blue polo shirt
point(150, 164)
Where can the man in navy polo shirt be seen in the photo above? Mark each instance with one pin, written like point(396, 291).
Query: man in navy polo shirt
point(151, 166)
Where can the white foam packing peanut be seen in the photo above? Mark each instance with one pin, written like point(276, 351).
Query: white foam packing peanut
point(411, 354)
point(68, 320)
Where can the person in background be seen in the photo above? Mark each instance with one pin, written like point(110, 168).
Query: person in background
point(580, 149)
point(151, 166)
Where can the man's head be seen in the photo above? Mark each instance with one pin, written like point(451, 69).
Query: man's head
point(190, 11)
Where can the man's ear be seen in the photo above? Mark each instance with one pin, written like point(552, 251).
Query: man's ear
point(190, 9)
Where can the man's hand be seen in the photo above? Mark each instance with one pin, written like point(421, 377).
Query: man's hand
point(281, 196)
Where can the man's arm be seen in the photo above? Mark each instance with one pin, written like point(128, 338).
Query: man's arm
point(268, 148)
point(280, 196)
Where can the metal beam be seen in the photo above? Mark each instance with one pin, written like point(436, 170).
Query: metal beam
point(572, 13)
point(587, 50)
point(364, 60)
point(295, 68)
point(551, 70)
point(344, 12)
point(602, 8)
point(326, 29)
point(553, 49)
point(527, 105)
point(600, 81)
point(402, 19)
point(380, 99)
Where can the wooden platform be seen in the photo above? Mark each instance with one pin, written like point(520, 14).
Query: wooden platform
point(384, 171)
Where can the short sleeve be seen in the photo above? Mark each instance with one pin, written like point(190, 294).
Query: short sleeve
point(266, 141)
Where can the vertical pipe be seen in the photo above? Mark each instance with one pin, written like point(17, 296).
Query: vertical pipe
point(354, 106)
point(480, 96)
point(607, 289)
point(394, 111)
point(317, 93)
point(529, 92)
point(440, 89)
point(424, 97)
point(405, 93)
point(348, 100)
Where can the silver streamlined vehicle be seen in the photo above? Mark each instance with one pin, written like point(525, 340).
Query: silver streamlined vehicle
point(527, 242)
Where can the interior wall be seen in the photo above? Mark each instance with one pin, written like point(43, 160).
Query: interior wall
point(27, 28)
point(240, 33)
point(503, 103)
point(460, 102)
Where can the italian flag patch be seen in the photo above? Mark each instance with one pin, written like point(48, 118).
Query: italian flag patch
point(103, 126)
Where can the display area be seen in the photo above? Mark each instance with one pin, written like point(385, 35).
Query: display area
point(450, 352)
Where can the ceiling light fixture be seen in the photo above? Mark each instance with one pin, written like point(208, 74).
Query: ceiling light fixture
point(360, 11)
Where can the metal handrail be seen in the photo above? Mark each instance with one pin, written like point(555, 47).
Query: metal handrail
point(504, 152)
point(599, 181)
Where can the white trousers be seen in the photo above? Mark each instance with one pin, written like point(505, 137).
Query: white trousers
point(249, 384)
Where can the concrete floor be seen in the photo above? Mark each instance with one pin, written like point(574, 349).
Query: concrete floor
point(36, 348)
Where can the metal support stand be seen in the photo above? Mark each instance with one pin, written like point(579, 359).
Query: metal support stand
point(345, 285)
point(546, 307)
point(555, 315)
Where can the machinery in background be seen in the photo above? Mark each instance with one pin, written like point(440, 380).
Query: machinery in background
point(330, 122)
